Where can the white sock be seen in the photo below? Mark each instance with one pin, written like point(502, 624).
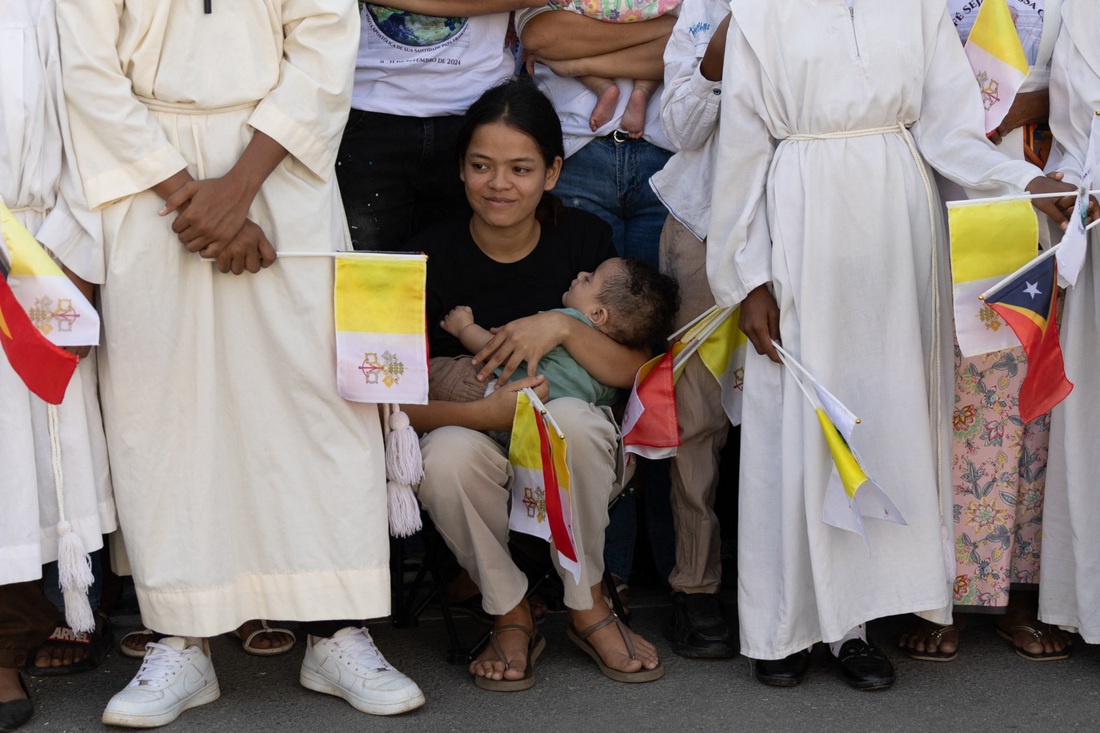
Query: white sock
point(859, 632)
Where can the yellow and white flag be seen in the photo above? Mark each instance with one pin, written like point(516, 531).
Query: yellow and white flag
point(381, 335)
point(989, 240)
point(54, 304)
point(721, 346)
point(850, 494)
point(723, 353)
point(998, 60)
point(541, 488)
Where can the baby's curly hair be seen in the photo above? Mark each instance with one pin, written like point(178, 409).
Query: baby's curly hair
point(641, 304)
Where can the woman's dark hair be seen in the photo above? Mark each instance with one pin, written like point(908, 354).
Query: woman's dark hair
point(519, 104)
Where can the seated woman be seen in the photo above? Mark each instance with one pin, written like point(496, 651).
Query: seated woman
point(512, 259)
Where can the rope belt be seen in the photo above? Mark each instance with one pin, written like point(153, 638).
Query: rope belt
point(23, 209)
point(935, 387)
point(188, 108)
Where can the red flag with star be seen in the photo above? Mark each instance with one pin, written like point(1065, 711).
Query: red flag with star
point(1029, 305)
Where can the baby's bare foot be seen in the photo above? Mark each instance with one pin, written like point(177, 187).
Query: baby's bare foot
point(633, 121)
point(606, 101)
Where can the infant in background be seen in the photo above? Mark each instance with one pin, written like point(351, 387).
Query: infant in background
point(605, 88)
point(627, 299)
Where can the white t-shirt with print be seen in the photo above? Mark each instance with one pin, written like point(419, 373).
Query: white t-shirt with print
point(426, 66)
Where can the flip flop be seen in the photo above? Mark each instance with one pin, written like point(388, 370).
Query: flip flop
point(1038, 635)
point(580, 638)
point(246, 642)
point(135, 653)
point(935, 634)
point(535, 647)
point(96, 644)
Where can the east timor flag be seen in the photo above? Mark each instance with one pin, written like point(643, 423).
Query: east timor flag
point(1029, 305)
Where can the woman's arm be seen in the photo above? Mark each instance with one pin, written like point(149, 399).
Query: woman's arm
point(531, 338)
point(494, 412)
point(560, 35)
point(643, 62)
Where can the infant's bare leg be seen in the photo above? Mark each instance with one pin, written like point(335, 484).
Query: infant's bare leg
point(607, 93)
point(634, 115)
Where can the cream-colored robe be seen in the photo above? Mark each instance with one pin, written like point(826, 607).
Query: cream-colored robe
point(1069, 591)
point(247, 488)
point(38, 182)
point(841, 230)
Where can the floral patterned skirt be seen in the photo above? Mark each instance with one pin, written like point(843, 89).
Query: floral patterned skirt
point(998, 475)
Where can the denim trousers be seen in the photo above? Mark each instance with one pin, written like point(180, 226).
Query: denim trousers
point(609, 177)
point(397, 175)
point(611, 180)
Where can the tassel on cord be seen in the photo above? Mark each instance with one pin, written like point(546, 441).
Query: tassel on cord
point(74, 566)
point(404, 469)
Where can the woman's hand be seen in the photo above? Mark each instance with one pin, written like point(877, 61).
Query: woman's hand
point(1059, 209)
point(760, 321)
point(211, 211)
point(500, 406)
point(249, 250)
point(524, 339)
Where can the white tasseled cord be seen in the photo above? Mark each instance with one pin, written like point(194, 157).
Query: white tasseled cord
point(404, 469)
point(74, 566)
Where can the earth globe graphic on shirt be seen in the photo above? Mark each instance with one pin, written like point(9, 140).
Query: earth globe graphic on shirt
point(410, 29)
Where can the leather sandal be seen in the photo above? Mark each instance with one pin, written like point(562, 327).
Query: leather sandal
point(535, 645)
point(580, 638)
point(246, 642)
point(1036, 634)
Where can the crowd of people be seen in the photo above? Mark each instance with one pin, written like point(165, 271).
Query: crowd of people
point(583, 182)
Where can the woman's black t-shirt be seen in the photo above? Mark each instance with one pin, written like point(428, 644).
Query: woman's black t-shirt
point(459, 273)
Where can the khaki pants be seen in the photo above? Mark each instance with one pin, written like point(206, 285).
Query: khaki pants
point(465, 490)
point(703, 427)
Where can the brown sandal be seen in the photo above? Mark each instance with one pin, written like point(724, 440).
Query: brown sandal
point(1037, 634)
point(580, 638)
point(934, 635)
point(534, 648)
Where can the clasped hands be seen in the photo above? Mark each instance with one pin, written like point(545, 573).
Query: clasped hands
point(212, 221)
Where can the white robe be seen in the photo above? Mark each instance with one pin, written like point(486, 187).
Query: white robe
point(38, 183)
point(1069, 589)
point(247, 488)
point(841, 230)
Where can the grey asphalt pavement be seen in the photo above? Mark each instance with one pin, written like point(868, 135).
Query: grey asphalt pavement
point(988, 688)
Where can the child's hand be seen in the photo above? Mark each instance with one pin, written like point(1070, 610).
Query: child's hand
point(459, 318)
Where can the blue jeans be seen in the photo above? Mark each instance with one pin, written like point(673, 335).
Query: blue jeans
point(51, 584)
point(611, 180)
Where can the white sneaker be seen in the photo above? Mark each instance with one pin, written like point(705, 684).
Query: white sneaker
point(350, 666)
point(173, 677)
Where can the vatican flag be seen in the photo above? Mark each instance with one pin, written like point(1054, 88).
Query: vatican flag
point(989, 240)
point(381, 334)
point(998, 60)
point(54, 304)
